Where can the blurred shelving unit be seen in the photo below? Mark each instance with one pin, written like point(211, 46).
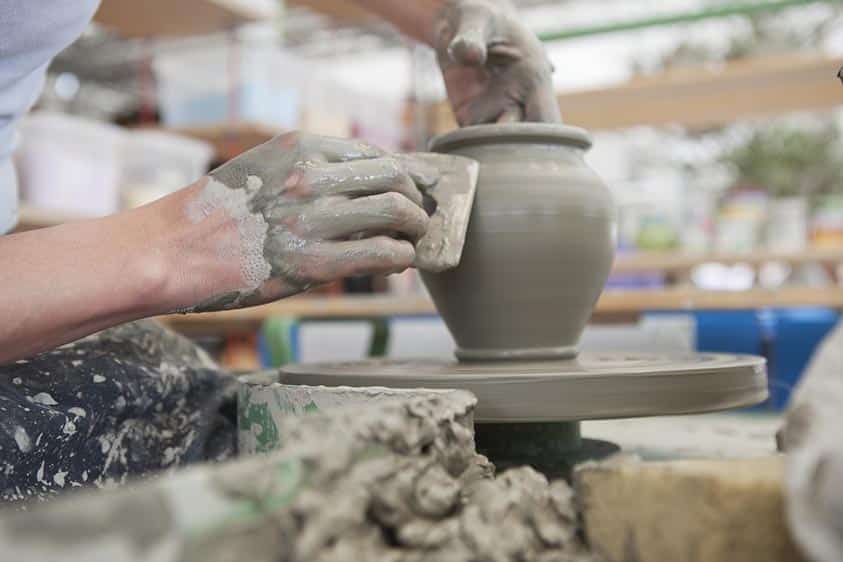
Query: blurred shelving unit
point(613, 305)
point(167, 18)
point(639, 262)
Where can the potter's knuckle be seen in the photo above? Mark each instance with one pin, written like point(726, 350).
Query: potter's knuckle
point(412, 215)
point(402, 254)
point(365, 148)
point(288, 140)
point(312, 269)
point(421, 216)
point(295, 225)
point(404, 217)
point(310, 272)
point(394, 203)
point(391, 168)
point(299, 182)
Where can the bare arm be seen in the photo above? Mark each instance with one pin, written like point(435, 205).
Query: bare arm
point(297, 211)
point(65, 282)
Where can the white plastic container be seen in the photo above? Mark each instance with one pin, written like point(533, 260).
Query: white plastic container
point(157, 163)
point(325, 108)
point(415, 337)
point(249, 81)
point(787, 224)
point(70, 164)
point(377, 120)
point(333, 341)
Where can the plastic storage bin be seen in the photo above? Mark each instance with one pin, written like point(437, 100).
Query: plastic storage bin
point(70, 164)
point(796, 333)
point(729, 331)
point(653, 333)
point(242, 81)
point(786, 337)
point(156, 163)
point(325, 109)
point(318, 341)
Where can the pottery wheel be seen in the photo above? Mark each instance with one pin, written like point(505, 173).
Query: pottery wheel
point(530, 412)
point(592, 386)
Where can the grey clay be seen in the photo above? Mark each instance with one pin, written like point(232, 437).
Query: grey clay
point(539, 247)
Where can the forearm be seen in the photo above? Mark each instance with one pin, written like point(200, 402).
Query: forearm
point(417, 19)
point(62, 283)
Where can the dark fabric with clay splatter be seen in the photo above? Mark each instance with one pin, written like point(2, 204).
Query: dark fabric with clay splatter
point(128, 401)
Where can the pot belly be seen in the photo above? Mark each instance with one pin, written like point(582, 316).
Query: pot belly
point(528, 280)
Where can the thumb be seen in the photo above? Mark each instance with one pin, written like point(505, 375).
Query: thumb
point(542, 105)
point(474, 29)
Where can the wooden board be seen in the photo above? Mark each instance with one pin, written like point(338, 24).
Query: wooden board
point(612, 304)
point(681, 298)
point(677, 261)
point(31, 218)
point(175, 18)
point(687, 510)
point(701, 97)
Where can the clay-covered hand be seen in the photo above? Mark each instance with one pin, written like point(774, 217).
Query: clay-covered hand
point(310, 209)
point(495, 69)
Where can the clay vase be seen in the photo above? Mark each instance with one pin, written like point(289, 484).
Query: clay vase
point(539, 247)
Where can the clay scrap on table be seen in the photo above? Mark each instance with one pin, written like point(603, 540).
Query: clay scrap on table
point(725, 510)
point(399, 481)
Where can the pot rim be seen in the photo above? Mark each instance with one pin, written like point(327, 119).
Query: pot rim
point(512, 132)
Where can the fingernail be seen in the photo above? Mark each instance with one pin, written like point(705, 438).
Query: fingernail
point(369, 151)
point(512, 115)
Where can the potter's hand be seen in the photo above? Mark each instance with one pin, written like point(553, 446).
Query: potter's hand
point(310, 209)
point(495, 69)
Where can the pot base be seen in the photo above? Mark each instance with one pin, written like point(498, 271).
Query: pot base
point(525, 354)
point(554, 448)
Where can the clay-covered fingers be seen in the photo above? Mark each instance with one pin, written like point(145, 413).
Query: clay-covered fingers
point(333, 149)
point(495, 68)
point(378, 255)
point(340, 218)
point(374, 176)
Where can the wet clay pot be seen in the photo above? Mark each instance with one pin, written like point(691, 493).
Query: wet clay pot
point(539, 248)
